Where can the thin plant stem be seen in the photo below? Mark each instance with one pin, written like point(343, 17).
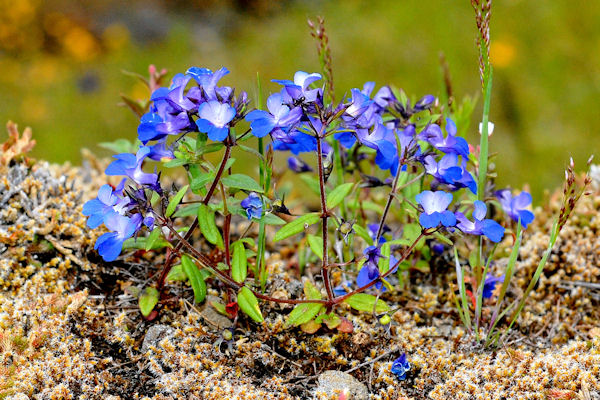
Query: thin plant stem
point(325, 218)
point(392, 269)
point(389, 201)
point(536, 275)
point(173, 253)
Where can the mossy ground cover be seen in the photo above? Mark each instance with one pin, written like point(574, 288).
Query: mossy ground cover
point(71, 329)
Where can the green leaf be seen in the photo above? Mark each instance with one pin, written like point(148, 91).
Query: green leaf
point(303, 313)
point(152, 238)
point(120, 146)
point(316, 245)
point(195, 277)
point(140, 243)
point(443, 238)
point(210, 148)
point(241, 181)
point(187, 210)
point(199, 178)
point(311, 182)
point(249, 304)
point(176, 162)
point(239, 263)
point(208, 226)
point(272, 219)
point(365, 302)
point(311, 292)
point(220, 307)
point(384, 261)
point(176, 274)
point(296, 226)
point(362, 232)
point(337, 195)
point(148, 300)
point(175, 201)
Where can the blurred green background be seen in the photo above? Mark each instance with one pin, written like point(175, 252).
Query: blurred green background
point(61, 62)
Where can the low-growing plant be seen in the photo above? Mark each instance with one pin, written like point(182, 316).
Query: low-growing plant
point(394, 182)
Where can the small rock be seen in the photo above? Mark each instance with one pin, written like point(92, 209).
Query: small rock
point(212, 317)
point(335, 382)
point(155, 334)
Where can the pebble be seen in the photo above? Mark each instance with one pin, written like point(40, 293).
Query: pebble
point(335, 382)
point(212, 317)
point(155, 334)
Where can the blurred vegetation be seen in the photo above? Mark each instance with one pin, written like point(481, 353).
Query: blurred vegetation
point(61, 62)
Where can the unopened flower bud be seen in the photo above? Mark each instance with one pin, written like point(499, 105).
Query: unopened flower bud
point(385, 320)
point(490, 128)
point(346, 228)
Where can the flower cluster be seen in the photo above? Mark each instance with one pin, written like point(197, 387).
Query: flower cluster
point(373, 140)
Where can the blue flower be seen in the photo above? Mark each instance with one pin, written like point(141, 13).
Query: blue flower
point(451, 144)
point(448, 171)
point(298, 89)
point(434, 205)
point(359, 104)
point(374, 228)
point(253, 205)
point(110, 244)
point(400, 367)
point(514, 207)
point(208, 83)
point(297, 165)
point(214, 119)
point(480, 226)
point(424, 103)
point(370, 270)
point(131, 165)
point(106, 202)
point(490, 284)
point(279, 117)
point(162, 120)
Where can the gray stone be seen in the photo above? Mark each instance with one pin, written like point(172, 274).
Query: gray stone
point(212, 317)
point(155, 334)
point(334, 382)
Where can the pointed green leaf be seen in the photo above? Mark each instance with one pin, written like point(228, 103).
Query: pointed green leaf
point(208, 226)
point(316, 245)
point(311, 182)
point(176, 274)
point(175, 201)
point(311, 292)
point(296, 226)
point(272, 219)
point(120, 146)
point(241, 181)
point(365, 302)
point(384, 261)
point(176, 162)
point(152, 238)
point(239, 263)
point(249, 304)
point(148, 300)
point(140, 243)
point(195, 277)
point(362, 232)
point(303, 313)
point(337, 195)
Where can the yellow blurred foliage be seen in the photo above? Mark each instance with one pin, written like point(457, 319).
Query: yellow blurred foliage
point(116, 36)
point(502, 53)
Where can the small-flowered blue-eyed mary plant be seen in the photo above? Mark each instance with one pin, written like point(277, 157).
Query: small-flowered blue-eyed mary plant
point(388, 179)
